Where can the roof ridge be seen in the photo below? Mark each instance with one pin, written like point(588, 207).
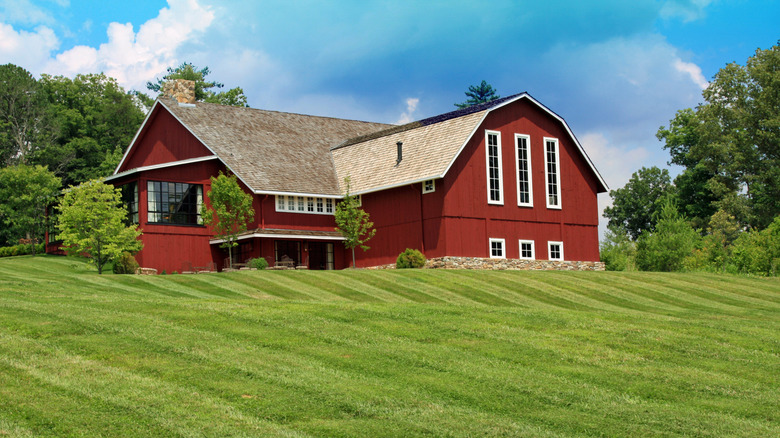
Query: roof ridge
point(428, 121)
point(167, 100)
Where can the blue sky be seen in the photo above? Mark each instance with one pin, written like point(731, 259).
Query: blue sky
point(615, 70)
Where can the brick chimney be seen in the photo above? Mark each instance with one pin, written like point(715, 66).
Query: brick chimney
point(180, 89)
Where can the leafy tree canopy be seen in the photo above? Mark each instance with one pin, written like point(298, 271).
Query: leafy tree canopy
point(92, 222)
point(96, 121)
point(636, 205)
point(25, 193)
point(732, 141)
point(477, 94)
point(203, 87)
point(353, 222)
point(230, 210)
point(25, 125)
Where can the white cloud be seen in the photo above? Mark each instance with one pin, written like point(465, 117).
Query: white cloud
point(27, 49)
point(692, 70)
point(23, 11)
point(411, 107)
point(135, 58)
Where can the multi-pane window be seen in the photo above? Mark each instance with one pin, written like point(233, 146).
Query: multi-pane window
point(497, 249)
point(304, 204)
point(527, 249)
point(174, 203)
point(429, 186)
point(524, 183)
point(130, 201)
point(555, 250)
point(494, 177)
point(552, 173)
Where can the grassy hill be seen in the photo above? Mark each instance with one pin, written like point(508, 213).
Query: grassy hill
point(385, 353)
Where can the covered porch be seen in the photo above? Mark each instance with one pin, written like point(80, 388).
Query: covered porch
point(290, 249)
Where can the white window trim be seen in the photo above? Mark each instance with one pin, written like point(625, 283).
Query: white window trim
point(533, 249)
point(281, 203)
point(549, 252)
point(503, 248)
point(433, 186)
point(530, 202)
point(500, 201)
point(557, 172)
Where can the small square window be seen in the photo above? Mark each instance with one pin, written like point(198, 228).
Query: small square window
point(429, 186)
point(497, 249)
point(555, 250)
point(527, 250)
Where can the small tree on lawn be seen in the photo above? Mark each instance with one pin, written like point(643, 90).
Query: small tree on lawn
point(92, 222)
point(231, 208)
point(353, 223)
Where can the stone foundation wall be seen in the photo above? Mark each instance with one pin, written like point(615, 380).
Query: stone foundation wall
point(505, 264)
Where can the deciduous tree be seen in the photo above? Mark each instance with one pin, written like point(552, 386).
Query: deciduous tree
point(25, 125)
point(96, 121)
point(25, 193)
point(635, 205)
point(733, 140)
point(229, 212)
point(666, 248)
point(353, 222)
point(92, 222)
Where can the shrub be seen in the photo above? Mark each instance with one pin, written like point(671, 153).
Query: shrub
point(666, 248)
point(758, 252)
point(10, 251)
point(410, 258)
point(258, 263)
point(125, 264)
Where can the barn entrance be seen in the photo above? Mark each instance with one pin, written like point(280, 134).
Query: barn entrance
point(321, 255)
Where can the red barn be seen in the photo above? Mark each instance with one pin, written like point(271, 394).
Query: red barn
point(505, 179)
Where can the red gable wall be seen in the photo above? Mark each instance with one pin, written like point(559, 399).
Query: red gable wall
point(162, 140)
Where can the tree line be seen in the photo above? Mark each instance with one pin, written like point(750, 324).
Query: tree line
point(722, 212)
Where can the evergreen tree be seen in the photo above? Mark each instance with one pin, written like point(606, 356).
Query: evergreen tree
point(477, 94)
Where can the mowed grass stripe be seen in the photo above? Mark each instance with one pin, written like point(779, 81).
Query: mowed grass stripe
point(764, 300)
point(724, 298)
point(663, 282)
point(267, 284)
point(536, 295)
point(410, 288)
point(157, 401)
point(335, 287)
point(482, 290)
point(356, 280)
point(662, 295)
point(611, 294)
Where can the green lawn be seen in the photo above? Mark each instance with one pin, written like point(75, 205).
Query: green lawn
point(386, 353)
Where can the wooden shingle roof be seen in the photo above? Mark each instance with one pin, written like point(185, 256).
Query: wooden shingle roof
point(271, 151)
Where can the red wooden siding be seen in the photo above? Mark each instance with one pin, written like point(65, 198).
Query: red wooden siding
point(163, 140)
point(458, 221)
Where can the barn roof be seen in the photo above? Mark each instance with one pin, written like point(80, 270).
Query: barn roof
point(270, 151)
point(277, 152)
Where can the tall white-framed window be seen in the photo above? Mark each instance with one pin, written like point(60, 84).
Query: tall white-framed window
point(527, 250)
point(497, 248)
point(555, 250)
point(429, 186)
point(495, 180)
point(552, 172)
point(523, 170)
